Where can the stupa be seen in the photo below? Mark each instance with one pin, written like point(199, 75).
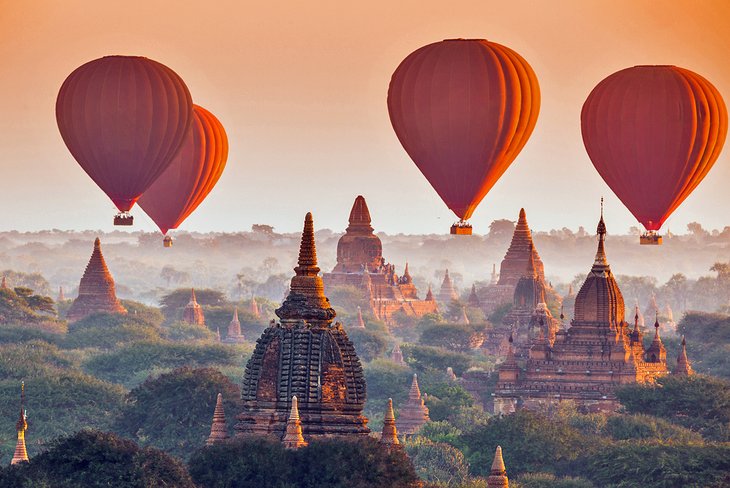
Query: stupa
point(96, 289)
point(234, 335)
point(683, 366)
point(414, 414)
point(193, 312)
point(308, 356)
point(293, 438)
point(498, 473)
point(21, 454)
point(389, 435)
point(447, 293)
point(218, 430)
point(396, 355)
point(360, 263)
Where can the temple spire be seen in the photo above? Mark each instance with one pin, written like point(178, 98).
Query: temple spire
point(389, 435)
point(414, 414)
point(498, 473)
point(254, 308)
point(4, 283)
point(218, 430)
point(293, 438)
point(600, 264)
point(683, 365)
point(429, 294)
point(360, 220)
point(21, 454)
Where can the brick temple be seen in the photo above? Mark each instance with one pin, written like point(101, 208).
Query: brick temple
point(96, 289)
point(193, 311)
point(586, 362)
point(360, 263)
point(308, 356)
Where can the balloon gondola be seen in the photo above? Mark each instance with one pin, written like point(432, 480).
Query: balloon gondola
point(123, 119)
point(653, 133)
point(463, 109)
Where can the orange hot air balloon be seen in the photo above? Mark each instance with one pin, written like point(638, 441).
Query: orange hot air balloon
point(191, 176)
point(463, 109)
point(653, 133)
point(123, 119)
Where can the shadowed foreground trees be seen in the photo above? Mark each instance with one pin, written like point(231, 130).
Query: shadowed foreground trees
point(97, 459)
point(256, 462)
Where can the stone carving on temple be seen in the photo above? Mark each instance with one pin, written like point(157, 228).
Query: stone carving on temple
point(414, 414)
point(218, 429)
point(586, 362)
point(308, 356)
point(96, 289)
point(360, 263)
point(193, 312)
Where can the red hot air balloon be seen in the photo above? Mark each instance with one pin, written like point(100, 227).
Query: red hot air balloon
point(653, 133)
point(463, 109)
point(191, 176)
point(123, 119)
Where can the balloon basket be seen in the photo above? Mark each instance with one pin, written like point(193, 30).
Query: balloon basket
point(650, 239)
point(167, 241)
point(461, 228)
point(124, 218)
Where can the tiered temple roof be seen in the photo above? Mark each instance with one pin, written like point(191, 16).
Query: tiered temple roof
point(360, 263)
point(414, 414)
point(96, 290)
point(234, 335)
point(218, 430)
point(193, 312)
point(588, 361)
point(306, 356)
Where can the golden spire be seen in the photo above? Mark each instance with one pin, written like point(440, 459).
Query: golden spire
point(389, 435)
point(218, 430)
point(293, 438)
point(498, 474)
point(21, 454)
point(600, 264)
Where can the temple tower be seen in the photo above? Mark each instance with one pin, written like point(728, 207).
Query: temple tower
point(218, 430)
point(389, 435)
point(520, 250)
point(447, 293)
point(234, 335)
point(193, 313)
point(397, 355)
point(254, 308)
point(498, 474)
point(21, 454)
point(306, 356)
point(683, 365)
point(96, 289)
point(414, 414)
point(293, 438)
point(359, 248)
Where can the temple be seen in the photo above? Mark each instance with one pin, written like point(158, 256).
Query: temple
point(396, 355)
point(498, 473)
point(414, 414)
point(293, 438)
point(389, 435)
point(586, 362)
point(218, 430)
point(96, 289)
point(193, 312)
point(308, 356)
point(21, 454)
point(254, 308)
point(447, 293)
point(360, 263)
point(234, 335)
point(683, 366)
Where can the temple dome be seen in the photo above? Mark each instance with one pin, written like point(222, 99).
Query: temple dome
point(359, 248)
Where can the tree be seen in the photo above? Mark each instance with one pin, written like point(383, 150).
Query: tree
point(109, 330)
point(174, 411)
point(368, 344)
point(92, 458)
point(437, 462)
point(174, 302)
point(429, 358)
point(677, 290)
point(501, 229)
point(452, 337)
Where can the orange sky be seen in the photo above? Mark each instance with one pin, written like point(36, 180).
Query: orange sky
point(301, 89)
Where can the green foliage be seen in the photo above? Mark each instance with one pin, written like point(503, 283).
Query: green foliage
point(453, 337)
point(445, 398)
point(530, 443)
point(58, 404)
point(256, 462)
point(549, 480)
point(31, 359)
point(21, 306)
point(625, 427)
point(658, 466)
point(34, 281)
point(150, 315)
point(122, 365)
point(347, 298)
point(109, 330)
point(499, 313)
point(429, 358)
point(440, 431)
point(698, 402)
point(368, 344)
point(97, 459)
point(708, 342)
point(384, 380)
point(220, 316)
point(184, 331)
point(174, 411)
point(13, 334)
point(437, 462)
point(174, 302)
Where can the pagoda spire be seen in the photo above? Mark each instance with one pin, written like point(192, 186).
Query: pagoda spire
point(21, 454)
point(600, 263)
point(360, 220)
point(306, 300)
point(389, 436)
point(234, 335)
point(473, 297)
point(293, 438)
point(254, 309)
point(656, 353)
point(429, 294)
point(498, 473)
point(4, 283)
point(683, 365)
point(218, 430)
point(406, 278)
point(414, 414)
point(193, 312)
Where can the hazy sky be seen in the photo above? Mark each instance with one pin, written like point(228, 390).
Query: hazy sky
point(301, 89)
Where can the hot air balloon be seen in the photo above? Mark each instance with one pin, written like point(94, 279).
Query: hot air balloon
point(123, 119)
point(190, 177)
point(463, 109)
point(653, 133)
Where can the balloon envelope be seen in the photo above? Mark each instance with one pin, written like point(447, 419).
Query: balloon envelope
point(463, 109)
point(653, 133)
point(192, 174)
point(123, 119)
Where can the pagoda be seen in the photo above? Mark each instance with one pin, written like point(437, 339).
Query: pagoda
point(360, 263)
point(21, 454)
point(254, 308)
point(397, 355)
point(389, 435)
point(586, 362)
point(683, 366)
point(414, 413)
point(96, 290)
point(498, 473)
point(293, 438)
point(193, 312)
point(512, 269)
point(308, 356)
point(447, 293)
point(218, 430)
point(234, 335)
